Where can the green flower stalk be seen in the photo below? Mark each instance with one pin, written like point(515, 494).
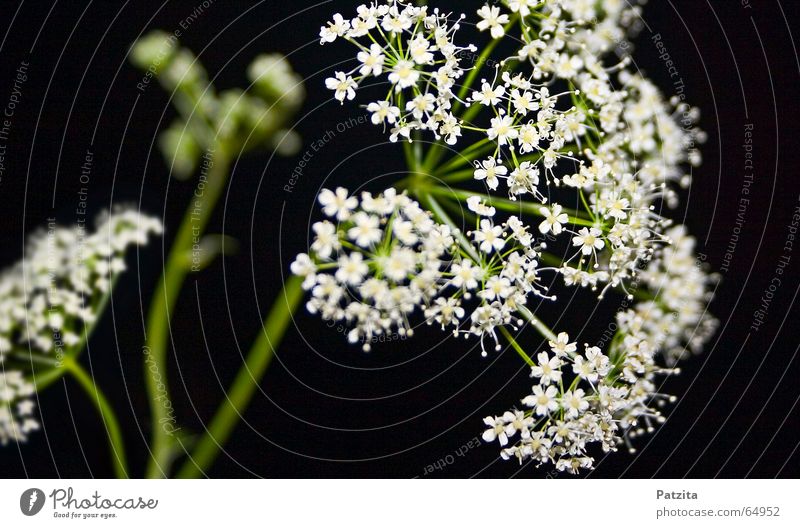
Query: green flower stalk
point(212, 127)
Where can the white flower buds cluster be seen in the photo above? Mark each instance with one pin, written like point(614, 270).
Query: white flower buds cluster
point(243, 119)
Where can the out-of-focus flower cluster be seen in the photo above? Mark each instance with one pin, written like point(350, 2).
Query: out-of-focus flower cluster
point(17, 419)
point(50, 300)
point(240, 119)
point(563, 129)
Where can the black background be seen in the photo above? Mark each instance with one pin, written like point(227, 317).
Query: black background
point(326, 409)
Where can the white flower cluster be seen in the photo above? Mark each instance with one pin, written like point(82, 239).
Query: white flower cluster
point(415, 50)
point(613, 398)
point(386, 257)
point(623, 140)
point(16, 407)
point(50, 299)
point(563, 118)
point(676, 319)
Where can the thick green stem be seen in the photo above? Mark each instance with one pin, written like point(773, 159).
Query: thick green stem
point(248, 378)
point(106, 411)
point(162, 306)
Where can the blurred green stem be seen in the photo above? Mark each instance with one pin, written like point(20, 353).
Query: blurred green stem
point(106, 411)
point(177, 268)
point(247, 379)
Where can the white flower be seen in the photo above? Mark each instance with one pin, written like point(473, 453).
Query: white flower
point(303, 266)
point(338, 203)
point(476, 205)
point(630, 146)
point(419, 49)
point(497, 430)
point(489, 170)
point(326, 239)
point(352, 269)
point(542, 400)
point(396, 21)
point(561, 347)
point(372, 61)
point(366, 229)
point(16, 407)
point(524, 179)
point(404, 74)
point(554, 219)
point(529, 138)
point(489, 236)
point(489, 96)
point(589, 240)
point(450, 129)
point(52, 297)
point(337, 28)
point(522, 6)
point(383, 111)
point(547, 369)
point(496, 288)
point(421, 105)
point(518, 421)
point(466, 275)
point(417, 52)
point(492, 19)
point(399, 264)
point(343, 85)
point(585, 369)
point(523, 101)
point(574, 403)
point(446, 311)
point(502, 129)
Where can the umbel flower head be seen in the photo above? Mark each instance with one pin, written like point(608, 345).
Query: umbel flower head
point(385, 258)
point(414, 49)
point(564, 130)
point(50, 300)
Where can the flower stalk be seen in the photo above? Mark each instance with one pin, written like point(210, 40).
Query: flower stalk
point(158, 334)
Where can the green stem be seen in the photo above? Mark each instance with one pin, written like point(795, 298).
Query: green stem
point(538, 324)
point(103, 406)
point(247, 379)
point(442, 215)
point(162, 306)
point(475, 151)
point(507, 205)
point(459, 176)
point(522, 354)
